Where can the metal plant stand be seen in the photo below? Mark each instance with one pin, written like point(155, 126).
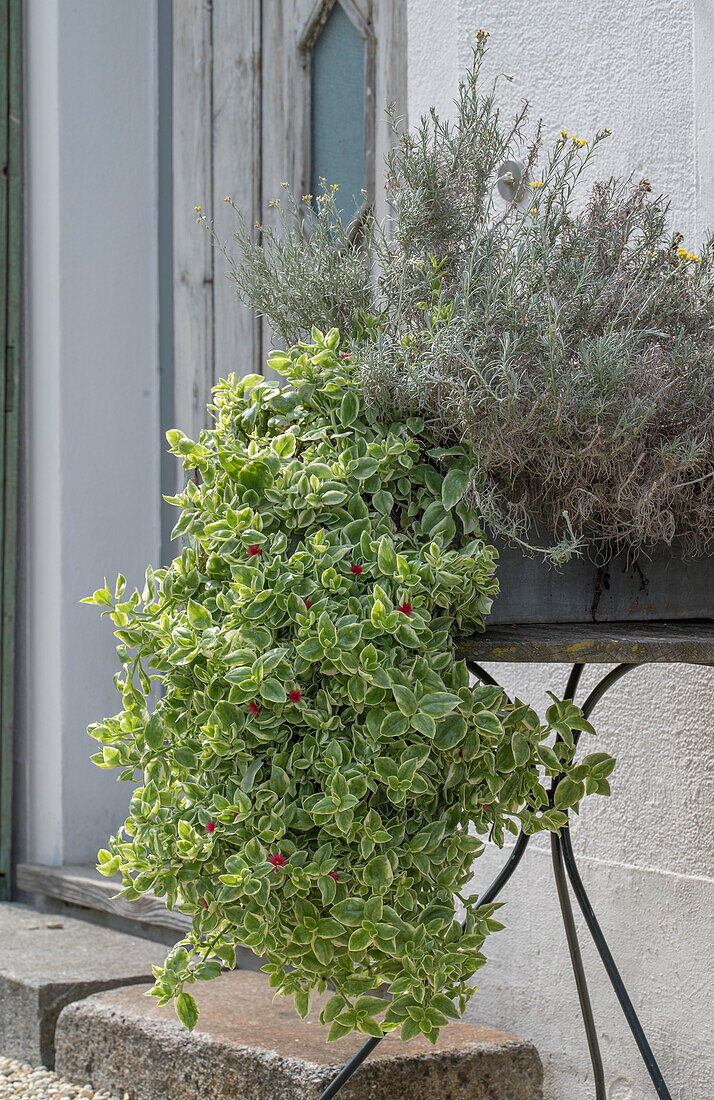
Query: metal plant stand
point(628, 646)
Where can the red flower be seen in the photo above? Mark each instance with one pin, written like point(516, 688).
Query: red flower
point(333, 874)
point(253, 551)
point(405, 608)
point(235, 816)
point(356, 569)
point(345, 355)
point(210, 827)
point(294, 696)
point(276, 859)
point(204, 903)
point(253, 708)
point(461, 753)
point(308, 604)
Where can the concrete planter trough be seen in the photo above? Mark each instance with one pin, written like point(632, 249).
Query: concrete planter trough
point(662, 584)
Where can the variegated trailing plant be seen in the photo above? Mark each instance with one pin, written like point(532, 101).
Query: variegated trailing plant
point(317, 773)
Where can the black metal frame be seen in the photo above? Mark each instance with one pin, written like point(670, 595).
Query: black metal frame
point(564, 869)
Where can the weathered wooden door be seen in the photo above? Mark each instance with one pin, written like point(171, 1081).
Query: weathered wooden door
point(266, 92)
point(10, 326)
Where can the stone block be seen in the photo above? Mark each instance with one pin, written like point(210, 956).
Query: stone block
point(48, 961)
point(248, 1046)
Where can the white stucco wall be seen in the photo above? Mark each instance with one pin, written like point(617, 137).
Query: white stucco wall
point(645, 68)
point(92, 493)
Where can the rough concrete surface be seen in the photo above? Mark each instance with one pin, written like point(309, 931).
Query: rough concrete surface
point(248, 1046)
point(46, 962)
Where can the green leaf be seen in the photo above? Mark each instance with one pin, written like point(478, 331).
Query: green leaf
point(326, 630)
point(394, 725)
point(386, 557)
point(333, 1008)
point(383, 501)
point(424, 723)
point(207, 971)
point(349, 408)
point(378, 873)
point(453, 487)
point(406, 700)
point(337, 1031)
point(371, 1005)
point(600, 764)
point(154, 732)
point(385, 768)
point(365, 468)
point(406, 634)
point(410, 1030)
point(187, 1010)
point(488, 722)
point(438, 703)
point(521, 750)
point(198, 617)
point(349, 636)
point(568, 793)
point(359, 940)
point(349, 912)
point(311, 650)
point(273, 691)
point(256, 475)
point(450, 732)
point(333, 497)
point(284, 445)
point(548, 758)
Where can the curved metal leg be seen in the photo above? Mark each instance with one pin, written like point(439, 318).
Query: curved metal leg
point(354, 1063)
point(563, 857)
point(612, 972)
point(576, 960)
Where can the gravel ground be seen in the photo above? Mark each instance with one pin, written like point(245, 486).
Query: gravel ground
point(21, 1082)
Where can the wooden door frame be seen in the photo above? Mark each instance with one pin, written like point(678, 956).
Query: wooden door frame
point(11, 323)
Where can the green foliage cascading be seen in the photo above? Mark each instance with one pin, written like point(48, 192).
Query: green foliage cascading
point(318, 771)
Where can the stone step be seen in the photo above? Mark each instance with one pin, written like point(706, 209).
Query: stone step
point(248, 1046)
point(46, 962)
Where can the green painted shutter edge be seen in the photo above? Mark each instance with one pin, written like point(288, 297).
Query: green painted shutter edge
point(11, 325)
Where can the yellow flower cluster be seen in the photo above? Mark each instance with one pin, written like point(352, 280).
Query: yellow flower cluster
point(576, 140)
point(274, 202)
point(684, 255)
point(536, 183)
point(307, 198)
